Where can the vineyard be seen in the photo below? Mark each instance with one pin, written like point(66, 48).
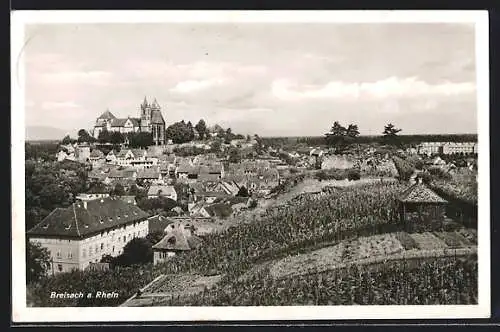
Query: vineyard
point(449, 280)
point(345, 213)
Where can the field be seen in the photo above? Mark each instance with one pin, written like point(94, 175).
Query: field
point(354, 228)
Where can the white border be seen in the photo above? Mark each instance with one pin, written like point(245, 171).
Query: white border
point(20, 313)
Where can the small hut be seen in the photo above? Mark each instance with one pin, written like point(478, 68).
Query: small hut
point(421, 208)
point(176, 240)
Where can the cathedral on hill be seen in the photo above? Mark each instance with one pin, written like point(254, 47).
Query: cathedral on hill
point(150, 121)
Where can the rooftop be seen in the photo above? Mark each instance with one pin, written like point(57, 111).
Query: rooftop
point(84, 219)
point(420, 193)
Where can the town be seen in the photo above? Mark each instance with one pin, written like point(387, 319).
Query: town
point(183, 214)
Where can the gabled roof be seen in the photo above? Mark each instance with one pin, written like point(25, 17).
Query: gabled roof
point(156, 117)
point(135, 121)
point(127, 199)
point(220, 210)
point(177, 240)
point(420, 193)
point(80, 220)
point(149, 173)
point(118, 122)
point(138, 153)
point(159, 190)
point(115, 173)
point(107, 116)
point(96, 153)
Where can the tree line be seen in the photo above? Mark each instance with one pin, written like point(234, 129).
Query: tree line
point(342, 137)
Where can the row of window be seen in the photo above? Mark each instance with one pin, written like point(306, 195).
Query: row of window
point(100, 247)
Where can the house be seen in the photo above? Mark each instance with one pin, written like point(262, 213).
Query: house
point(96, 156)
point(421, 208)
point(111, 157)
point(91, 196)
point(176, 240)
point(157, 191)
point(126, 183)
point(128, 199)
point(149, 174)
point(215, 211)
point(438, 162)
point(88, 230)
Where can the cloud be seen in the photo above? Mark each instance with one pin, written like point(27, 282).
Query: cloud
point(390, 87)
point(51, 105)
point(78, 77)
point(196, 85)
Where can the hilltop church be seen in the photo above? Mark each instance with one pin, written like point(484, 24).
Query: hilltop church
point(150, 120)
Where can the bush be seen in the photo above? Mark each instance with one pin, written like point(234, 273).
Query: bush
point(253, 204)
point(331, 174)
point(353, 175)
point(439, 173)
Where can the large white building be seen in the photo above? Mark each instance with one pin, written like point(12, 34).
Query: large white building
point(150, 120)
point(430, 148)
point(88, 230)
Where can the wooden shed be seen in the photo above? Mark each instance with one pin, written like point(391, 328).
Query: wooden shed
point(421, 208)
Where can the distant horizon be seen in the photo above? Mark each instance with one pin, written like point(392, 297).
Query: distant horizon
point(287, 79)
point(289, 136)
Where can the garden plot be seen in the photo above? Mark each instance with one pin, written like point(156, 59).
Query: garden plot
point(428, 241)
point(331, 257)
point(453, 239)
point(469, 234)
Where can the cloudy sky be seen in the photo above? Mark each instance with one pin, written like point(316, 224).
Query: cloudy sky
point(271, 79)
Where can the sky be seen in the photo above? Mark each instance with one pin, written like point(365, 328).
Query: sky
point(273, 79)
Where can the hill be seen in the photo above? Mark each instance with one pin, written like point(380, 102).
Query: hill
point(37, 133)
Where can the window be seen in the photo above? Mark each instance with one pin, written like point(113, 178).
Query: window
point(84, 253)
point(102, 246)
point(90, 252)
point(70, 255)
point(124, 238)
point(60, 267)
point(113, 248)
point(58, 254)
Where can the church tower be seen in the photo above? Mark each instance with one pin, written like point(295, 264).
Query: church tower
point(145, 116)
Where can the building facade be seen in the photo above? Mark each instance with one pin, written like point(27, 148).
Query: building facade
point(150, 121)
point(88, 230)
point(432, 148)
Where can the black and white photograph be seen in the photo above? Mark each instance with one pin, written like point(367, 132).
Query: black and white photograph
point(260, 165)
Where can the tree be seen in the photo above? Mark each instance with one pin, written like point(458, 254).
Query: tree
point(37, 261)
point(140, 140)
point(201, 128)
point(228, 136)
point(118, 190)
point(66, 140)
point(391, 134)
point(243, 192)
point(104, 136)
point(84, 136)
point(337, 137)
point(180, 132)
point(218, 130)
point(116, 137)
point(352, 131)
point(234, 156)
point(136, 251)
point(215, 146)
